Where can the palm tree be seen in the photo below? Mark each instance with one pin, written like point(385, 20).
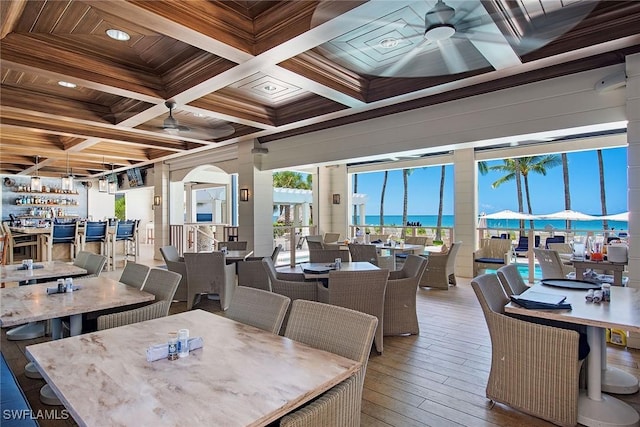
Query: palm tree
point(603, 197)
point(405, 201)
point(567, 194)
point(355, 190)
point(384, 189)
point(523, 166)
point(441, 203)
point(288, 179)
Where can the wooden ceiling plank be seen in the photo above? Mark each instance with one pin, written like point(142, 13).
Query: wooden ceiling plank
point(10, 12)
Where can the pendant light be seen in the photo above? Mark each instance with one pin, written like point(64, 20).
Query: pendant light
point(113, 182)
point(67, 181)
point(36, 182)
point(102, 181)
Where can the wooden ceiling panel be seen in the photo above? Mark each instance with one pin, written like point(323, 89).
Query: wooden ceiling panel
point(259, 68)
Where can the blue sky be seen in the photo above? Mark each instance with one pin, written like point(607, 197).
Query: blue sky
point(547, 192)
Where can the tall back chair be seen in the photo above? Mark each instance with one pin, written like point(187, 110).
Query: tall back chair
point(12, 241)
point(94, 264)
point(208, 273)
point(440, 271)
point(511, 280)
point(534, 368)
point(65, 234)
point(331, 237)
point(341, 331)
point(358, 290)
point(96, 232)
point(493, 254)
point(255, 307)
point(176, 263)
point(551, 264)
point(134, 275)
point(400, 315)
point(126, 233)
point(163, 285)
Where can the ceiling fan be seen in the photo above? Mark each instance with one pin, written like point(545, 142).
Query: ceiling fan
point(438, 37)
point(172, 126)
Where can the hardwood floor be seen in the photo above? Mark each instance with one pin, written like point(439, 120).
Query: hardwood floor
point(434, 379)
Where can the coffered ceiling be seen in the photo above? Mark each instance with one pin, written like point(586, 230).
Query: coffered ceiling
point(264, 70)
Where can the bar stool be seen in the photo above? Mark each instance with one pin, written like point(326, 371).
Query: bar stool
point(125, 233)
point(96, 232)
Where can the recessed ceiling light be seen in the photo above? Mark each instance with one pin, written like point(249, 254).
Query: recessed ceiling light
point(270, 88)
point(118, 35)
point(388, 43)
point(67, 84)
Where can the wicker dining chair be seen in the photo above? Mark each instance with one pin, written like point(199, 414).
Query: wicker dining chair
point(208, 273)
point(134, 275)
point(255, 307)
point(358, 290)
point(338, 330)
point(551, 264)
point(163, 285)
point(400, 313)
point(511, 280)
point(534, 368)
point(175, 263)
point(252, 274)
point(440, 272)
point(493, 254)
point(328, 255)
point(363, 253)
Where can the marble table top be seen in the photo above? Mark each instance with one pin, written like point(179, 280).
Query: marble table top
point(31, 303)
point(242, 376)
point(622, 312)
point(50, 270)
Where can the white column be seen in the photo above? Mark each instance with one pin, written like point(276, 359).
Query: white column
point(161, 213)
point(465, 178)
point(332, 217)
point(255, 216)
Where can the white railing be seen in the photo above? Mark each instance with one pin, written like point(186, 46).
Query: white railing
point(192, 237)
point(398, 232)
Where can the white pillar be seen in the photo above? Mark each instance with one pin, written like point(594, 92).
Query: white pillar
point(465, 178)
point(633, 176)
point(161, 187)
point(255, 223)
point(329, 216)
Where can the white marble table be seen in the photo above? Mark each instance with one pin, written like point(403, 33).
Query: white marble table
point(242, 376)
point(396, 249)
point(51, 270)
point(31, 303)
point(594, 407)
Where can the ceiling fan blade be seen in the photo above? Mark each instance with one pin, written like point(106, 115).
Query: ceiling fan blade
point(451, 55)
point(396, 68)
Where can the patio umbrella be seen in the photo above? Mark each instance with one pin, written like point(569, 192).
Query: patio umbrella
point(623, 216)
point(569, 215)
point(508, 214)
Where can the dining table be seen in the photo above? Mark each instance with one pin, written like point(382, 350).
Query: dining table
point(583, 265)
point(320, 270)
point(395, 248)
point(596, 408)
point(40, 271)
point(241, 376)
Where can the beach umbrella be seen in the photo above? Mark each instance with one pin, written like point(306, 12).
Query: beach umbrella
point(623, 216)
point(482, 221)
point(569, 215)
point(508, 214)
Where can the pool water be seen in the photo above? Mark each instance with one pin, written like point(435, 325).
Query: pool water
point(524, 271)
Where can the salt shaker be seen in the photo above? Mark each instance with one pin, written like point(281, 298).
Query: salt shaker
point(338, 263)
point(61, 286)
point(606, 292)
point(183, 342)
point(68, 284)
point(173, 349)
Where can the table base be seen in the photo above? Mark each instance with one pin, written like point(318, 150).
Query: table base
point(608, 412)
point(617, 381)
point(30, 371)
point(27, 332)
point(48, 397)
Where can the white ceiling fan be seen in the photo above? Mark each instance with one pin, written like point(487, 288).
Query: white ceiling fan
point(172, 126)
point(438, 37)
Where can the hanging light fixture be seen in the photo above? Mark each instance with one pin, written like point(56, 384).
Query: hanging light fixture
point(36, 182)
point(67, 181)
point(113, 182)
point(102, 181)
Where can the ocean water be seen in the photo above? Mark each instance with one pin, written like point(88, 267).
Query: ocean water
point(447, 221)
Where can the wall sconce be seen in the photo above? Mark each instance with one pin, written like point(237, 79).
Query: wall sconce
point(157, 201)
point(244, 194)
point(336, 199)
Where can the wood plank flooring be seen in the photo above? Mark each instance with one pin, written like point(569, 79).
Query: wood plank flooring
point(435, 379)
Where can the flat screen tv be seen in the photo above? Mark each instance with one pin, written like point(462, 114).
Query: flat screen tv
point(135, 178)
